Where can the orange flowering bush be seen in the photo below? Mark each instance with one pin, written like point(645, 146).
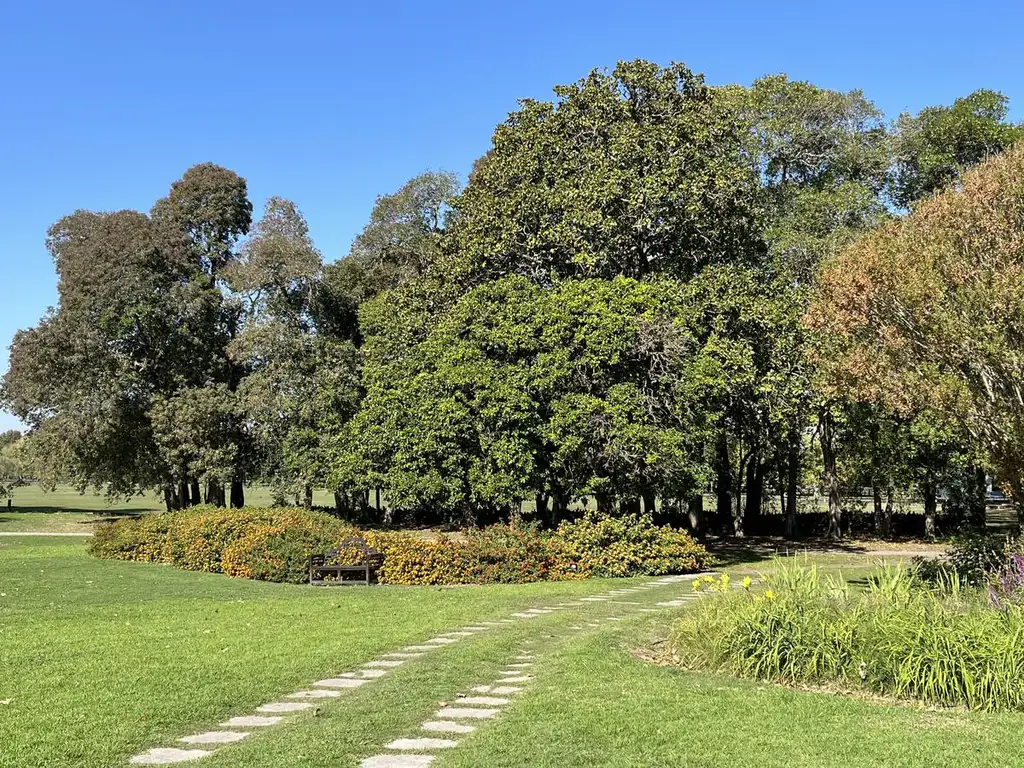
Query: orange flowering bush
point(275, 544)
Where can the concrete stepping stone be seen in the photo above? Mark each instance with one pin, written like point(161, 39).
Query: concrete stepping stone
point(670, 604)
point(465, 713)
point(447, 726)
point(341, 682)
point(397, 761)
point(168, 756)
point(594, 599)
point(505, 690)
point(475, 629)
point(483, 701)
point(284, 706)
point(648, 610)
point(371, 674)
point(402, 655)
point(214, 737)
point(490, 623)
point(316, 693)
point(441, 641)
point(251, 721)
point(506, 621)
point(461, 634)
point(427, 743)
point(539, 611)
point(521, 665)
point(516, 679)
point(385, 663)
point(626, 602)
point(525, 615)
point(614, 618)
point(420, 648)
point(593, 625)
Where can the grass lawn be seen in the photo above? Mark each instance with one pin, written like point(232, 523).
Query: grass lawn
point(65, 510)
point(100, 660)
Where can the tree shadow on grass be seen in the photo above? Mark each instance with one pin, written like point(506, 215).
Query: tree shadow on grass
point(98, 514)
point(733, 551)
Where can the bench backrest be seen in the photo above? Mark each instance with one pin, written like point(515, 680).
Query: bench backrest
point(367, 554)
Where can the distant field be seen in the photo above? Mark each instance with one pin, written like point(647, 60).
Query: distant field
point(65, 510)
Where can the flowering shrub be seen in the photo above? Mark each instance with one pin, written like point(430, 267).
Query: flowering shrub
point(631, 545)
point(275, 544)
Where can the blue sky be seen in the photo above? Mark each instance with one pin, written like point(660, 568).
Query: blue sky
point(331, 103)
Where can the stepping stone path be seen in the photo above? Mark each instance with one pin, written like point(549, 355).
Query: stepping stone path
point(458, 718)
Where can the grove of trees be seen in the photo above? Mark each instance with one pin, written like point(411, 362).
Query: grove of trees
point(649, 289)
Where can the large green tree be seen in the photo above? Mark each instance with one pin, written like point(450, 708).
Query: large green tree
point(632, 172)
point(934, 147)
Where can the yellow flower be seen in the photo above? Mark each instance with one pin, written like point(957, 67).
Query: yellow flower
point(746, 582)
point(696, 585)
point(725, 581)
point(769, 594)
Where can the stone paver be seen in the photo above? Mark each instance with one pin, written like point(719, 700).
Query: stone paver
point(447, 726)
point(370, 674)
point(341, 682)
point(483, 701)
point(318, 693)
point(402, 655)
point(465, 713)
point(214, 737)
point(251, 721)
point(422, 744)
point(505, 690)
point(420, 648)
point(525, 615)
point(397, 761)
point(284, 706)
point(522, 664)
point(515, 679)
point(385, 663)
point(461, 634)
point(168, 756)
point(474, 629)
point(441, 641)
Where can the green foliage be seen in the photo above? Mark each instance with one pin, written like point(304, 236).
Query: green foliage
point(896, 638)
point(937, 145)
point(631, 172)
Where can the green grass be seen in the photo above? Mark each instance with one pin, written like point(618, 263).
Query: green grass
point(103, 659)
point(65, 510)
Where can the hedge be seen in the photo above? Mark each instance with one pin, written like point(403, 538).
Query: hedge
point(273, 544)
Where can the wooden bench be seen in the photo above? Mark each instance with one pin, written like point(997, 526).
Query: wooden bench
point(325, 565)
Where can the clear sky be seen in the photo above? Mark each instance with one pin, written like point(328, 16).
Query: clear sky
point(332, 102)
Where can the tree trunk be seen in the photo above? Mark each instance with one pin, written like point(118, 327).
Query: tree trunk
point(755, 495)
point(831, 477)
point(723, 486)
point(540, 507)
point(876, 498)
point(339, 504)
point(695, 513)
point(196, 492)
point(929, 507)
point(792, 479)
point(183, 498)
point(605, 504)
point(237, 494)
point(559, 508)
point(978, 499)
point(168, 498)
point(307, 496)
point(887, 515)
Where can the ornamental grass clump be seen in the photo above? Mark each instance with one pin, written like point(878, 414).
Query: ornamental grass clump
point(897, 637)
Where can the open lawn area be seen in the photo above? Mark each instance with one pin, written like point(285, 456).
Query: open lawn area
point(65, 510)
point(101, 660)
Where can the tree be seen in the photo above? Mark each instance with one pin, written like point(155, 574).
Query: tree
point(141, 316)
point(634, 172)
point(923, 313)
point(400, 243)
point(936, 146)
